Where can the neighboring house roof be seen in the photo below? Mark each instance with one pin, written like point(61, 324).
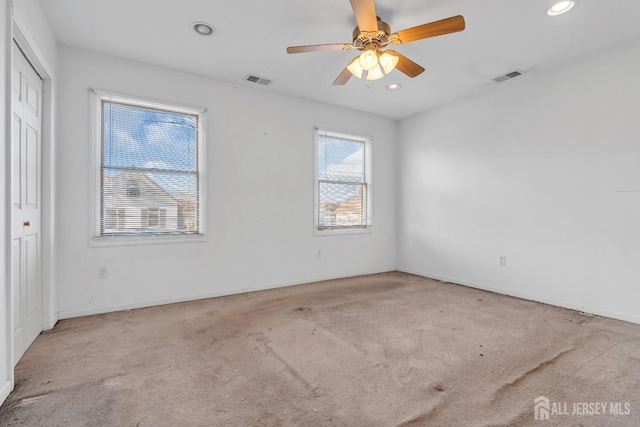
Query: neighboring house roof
point(352, 205)
point(150, 194)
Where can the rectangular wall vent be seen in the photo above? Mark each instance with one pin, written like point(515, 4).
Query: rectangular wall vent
point(258, 80)
point(508, 76)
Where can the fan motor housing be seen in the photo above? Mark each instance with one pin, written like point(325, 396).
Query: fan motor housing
point(362, 38)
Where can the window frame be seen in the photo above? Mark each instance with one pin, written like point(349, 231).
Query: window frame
point(96, 238)
point(368, 162)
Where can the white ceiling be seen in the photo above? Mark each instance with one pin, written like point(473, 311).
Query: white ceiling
point(252, 37)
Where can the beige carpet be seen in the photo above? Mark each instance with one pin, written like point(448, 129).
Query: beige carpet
point(381, 350)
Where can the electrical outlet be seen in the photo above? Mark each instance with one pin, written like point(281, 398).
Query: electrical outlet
point(503, 260)
point(319, 253)
point(102, 273)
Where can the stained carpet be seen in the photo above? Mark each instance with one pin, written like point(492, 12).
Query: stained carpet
point(389, 349)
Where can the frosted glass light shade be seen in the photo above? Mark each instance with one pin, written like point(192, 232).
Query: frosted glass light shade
point(388, 62)
point(375, 73)
point(355, 67)
point(368, 60)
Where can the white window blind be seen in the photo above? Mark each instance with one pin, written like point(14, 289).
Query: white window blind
point(149, 168)
point(342, 181)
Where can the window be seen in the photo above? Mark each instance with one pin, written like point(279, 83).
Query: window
point(153, 217)
point(121, 215)
point(110, 218)
point(342, 182)
point(149, 175)
point(144, 217)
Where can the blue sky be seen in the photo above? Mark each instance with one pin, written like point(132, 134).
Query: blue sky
point(142, 138)
point(340, 159)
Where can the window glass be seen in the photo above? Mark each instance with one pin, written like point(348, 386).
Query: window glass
point(342, 186)
point(150, 173)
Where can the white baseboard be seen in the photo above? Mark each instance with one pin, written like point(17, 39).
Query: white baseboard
point(52, 322)
point(5, 390)
point(546, 300)
point(184, 298)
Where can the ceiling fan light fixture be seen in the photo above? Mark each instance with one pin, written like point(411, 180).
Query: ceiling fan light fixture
point(372, 35)
point(561, 7)
point(375, 73)
point(368, 60)
point(355, 68)
point(388, 62)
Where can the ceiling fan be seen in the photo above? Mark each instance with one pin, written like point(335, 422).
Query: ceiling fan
point(372, 35)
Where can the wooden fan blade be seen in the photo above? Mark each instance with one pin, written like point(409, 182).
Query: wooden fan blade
point(365, 12)
point(406, 65)
point(432, 29)
point(343, 77)
point(317, 47)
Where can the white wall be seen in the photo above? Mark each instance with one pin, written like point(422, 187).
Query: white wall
point(259, 191)
point(544, 170)
point(6, 369)
point(31, 18)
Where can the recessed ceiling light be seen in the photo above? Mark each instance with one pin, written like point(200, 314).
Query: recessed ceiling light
point(561, 7)
point(203, 28)
point(394, 86)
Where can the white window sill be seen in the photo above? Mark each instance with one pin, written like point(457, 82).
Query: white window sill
point(341, 231)
point(110, 241)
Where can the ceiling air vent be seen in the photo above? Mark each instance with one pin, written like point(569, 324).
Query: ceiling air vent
point(508, 76)
point(258, 80)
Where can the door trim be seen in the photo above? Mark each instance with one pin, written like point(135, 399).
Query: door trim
point(40, 65)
